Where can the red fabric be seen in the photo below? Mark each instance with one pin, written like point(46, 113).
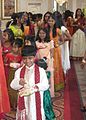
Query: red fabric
point(4, 98)
point(21, 104)
point(72, 97)
point(12, 58)
point(37, 94)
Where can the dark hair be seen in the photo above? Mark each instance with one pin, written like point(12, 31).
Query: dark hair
point(28, 20)
point(31, 39)
point(19, 42)
point(77, 11)
point(42, 63)
point(8, 23)
point(10, 35)
point(19, 15)
point(28, 50)
point(67, 14)
point(58, 18)
point(13, 17)
point(54, 28)
point(50, 13)
point(47, 38)
point(30, 15)
point(14, 20)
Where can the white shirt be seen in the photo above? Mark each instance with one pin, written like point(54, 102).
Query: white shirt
point(30, 100)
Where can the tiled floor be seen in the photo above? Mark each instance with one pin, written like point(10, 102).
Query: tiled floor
point(81, 77)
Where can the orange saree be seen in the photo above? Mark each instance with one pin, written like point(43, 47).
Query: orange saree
point(58, 70)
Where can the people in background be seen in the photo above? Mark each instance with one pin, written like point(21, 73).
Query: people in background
point(12, 61)
point(29, 40)
point(77, 45)
point(7, 40)
point(16, 25)
point(28, 25)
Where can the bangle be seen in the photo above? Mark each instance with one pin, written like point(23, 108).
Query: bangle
point(83, 61)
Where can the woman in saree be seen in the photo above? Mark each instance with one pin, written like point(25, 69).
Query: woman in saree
point(4, 99)
point(56, 36)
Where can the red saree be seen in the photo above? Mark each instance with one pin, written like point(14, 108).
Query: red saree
point(4, 99)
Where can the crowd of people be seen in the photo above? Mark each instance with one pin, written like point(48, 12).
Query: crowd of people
point(35, 53)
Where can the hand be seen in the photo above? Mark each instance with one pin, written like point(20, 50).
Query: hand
point(14, 65)
point(26, 91)
point(22, 82)
point(82, 65)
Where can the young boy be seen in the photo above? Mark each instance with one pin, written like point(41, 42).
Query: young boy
point(31, 82)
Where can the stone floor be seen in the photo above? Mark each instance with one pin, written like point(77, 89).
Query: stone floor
point(81, 77)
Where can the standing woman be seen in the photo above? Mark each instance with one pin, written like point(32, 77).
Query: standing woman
point(56, 35)
point(16, 26)
point(28, 25)
point(4, 99)
point(65, 45)
point(77, 45)
point(45, 19)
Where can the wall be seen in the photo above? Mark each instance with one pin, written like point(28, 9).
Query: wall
point(34, 6)
point(74, 4)
point(42, 6)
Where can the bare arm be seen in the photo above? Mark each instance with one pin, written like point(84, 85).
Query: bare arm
point(67, 36)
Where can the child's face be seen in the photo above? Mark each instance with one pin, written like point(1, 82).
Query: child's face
point(5, 36)
point(79, 12)
point(42, 34)
point(15, 49)
point(51, 22)
point(28, 60)
point(47, 17)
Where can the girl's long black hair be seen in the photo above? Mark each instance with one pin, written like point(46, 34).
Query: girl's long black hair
point(10, 35)
point(54, 33)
